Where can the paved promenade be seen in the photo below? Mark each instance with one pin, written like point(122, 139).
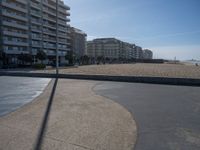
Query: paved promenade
point(79, 120)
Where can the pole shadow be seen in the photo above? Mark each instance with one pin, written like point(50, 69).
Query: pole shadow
point(41, 133)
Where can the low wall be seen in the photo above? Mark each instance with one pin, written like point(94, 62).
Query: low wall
point(137, 79)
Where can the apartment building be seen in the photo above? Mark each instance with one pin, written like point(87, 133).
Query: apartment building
point(147, 54)
point(106, 47)
point(30, 25)
point(116, 49)
point(128, 51)
point(138, 52)
point(111, 48)
point(78, 42)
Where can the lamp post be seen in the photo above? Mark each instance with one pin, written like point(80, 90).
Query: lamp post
point(57, 57)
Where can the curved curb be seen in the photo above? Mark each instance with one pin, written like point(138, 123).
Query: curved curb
point(135, 123)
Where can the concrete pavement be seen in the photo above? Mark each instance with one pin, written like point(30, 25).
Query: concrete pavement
point(79, 120)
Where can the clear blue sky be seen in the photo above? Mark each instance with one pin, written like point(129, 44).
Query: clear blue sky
point(169, 27)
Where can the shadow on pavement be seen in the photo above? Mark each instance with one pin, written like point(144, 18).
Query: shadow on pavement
point(40, 137)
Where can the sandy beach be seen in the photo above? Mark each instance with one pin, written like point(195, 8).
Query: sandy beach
point(139, 69)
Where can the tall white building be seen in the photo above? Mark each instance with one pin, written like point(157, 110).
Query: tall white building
point(27, 26)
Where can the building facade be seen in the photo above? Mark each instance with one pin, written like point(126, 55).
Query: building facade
point(138, 52)
point(110, 48)
point(147, 54)
point(78, 42)
point(28, 26)
point(116, 49)
point(128, 51)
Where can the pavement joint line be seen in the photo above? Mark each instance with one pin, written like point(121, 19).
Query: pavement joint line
point(55, 139)
point(78, 145)
point(154, 130)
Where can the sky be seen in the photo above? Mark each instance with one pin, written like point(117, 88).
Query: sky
point(170, 28)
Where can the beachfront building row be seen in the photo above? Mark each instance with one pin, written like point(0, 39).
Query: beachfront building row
point(27, 26)
point(116, 49)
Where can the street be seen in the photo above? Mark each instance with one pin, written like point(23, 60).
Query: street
point(167, 117)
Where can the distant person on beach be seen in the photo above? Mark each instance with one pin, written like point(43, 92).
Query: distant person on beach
point(196, 64)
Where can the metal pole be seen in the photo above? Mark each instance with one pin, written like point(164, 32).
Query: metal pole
point(57, 57)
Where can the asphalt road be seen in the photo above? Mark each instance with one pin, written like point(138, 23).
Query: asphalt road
point(168, 117)
point(18, 91)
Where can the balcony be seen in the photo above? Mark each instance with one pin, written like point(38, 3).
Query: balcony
point(49, 26)
point(50, 40)
point(50, 33)
point(49, 19)
point(62, 17)
point(48, 5)
point(63, 35)
point(36, 45)
point(14, 24)
point(62, 22)
point(68, 20)
point(62, 41)
point(14, 6)
point(22, 1)
point(53, 53)
point(65, 19)
point(17, 51)
point(62, 29)
point(61, 4)
point(69, 44)
point(36, 14)
point(52, 20)
point(67, 13)
point(36, 22)
point(49, 47)
point(36, 30)
point(15, 16)
point(49, 12)
point(36, 37)
point(62, 11)
point(15, 34)
point(38, 1)
point(15, 43)
point(36, 6)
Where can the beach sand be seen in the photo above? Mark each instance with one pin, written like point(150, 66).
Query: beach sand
point(138, 69)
